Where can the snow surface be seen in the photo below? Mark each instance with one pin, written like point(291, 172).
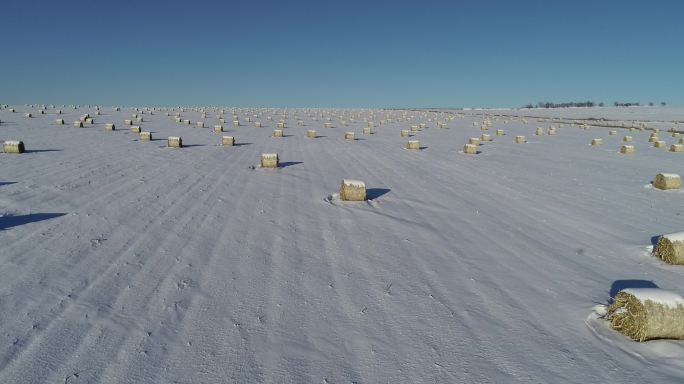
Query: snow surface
point(124, 262)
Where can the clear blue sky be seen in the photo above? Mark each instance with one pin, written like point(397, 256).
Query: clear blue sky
point(341, 53)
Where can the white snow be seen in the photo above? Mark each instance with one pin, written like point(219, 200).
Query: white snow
point(679, 236)
point(657, 295)
point(124, 262)
point(354, 183)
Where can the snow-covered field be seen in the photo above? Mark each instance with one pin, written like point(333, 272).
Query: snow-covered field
point(122, 261)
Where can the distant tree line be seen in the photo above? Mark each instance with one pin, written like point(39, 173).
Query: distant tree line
point(585, 104)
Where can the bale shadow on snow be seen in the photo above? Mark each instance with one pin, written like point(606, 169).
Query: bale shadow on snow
point(42, 150)
point(193, 145)
point(288, 164)
point(374, 193)
point(241, 144)
point(15, 221)
point(654, 239)
point(7, 183)
point(619, 285)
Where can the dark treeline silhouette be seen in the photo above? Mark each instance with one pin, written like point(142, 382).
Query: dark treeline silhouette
point(548, 104)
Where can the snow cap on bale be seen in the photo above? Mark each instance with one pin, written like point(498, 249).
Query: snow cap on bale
point(13, 146)
point(146, 136)
point(670, 248)
point(667, 181)
point(269, 160)
point(647, 313)
point(174, 142)
point(228, 141)
point(352, 190)
point(413, 144)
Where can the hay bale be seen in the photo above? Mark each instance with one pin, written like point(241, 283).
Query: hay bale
point(539, 131)
point(186, 121)
point(675, 134)
point(218, 128)
point(612, 132)
point(414, 128)
point(28, 115)
point(269, 160)
point(659, 144)
point(367, 131)
point(280, 125)
point(128, 122)
point(500, 132)
point(670, 248)
point(327, 125)
point(178, 120)
point(404, 133)
point(78, 124)
point(174, 142)
point(551, 131)
point(485, 137)
point(257, 124)
point(110, 127)
point(90, 121)
point(199, 124)
point(349, 135)
point(277, 133)
point(681, 141)
point(647, 313)
point(236, 123)
point(413, 144)
point(474, 141)
point(311, 134)
point(228, 141)
point(135, 129)
point(667, 181)
point(627, 139)
point(653, 139)
point(627, 149)
point(59, 121)
point(352, 190)
point(146, 136)
point(470, 149)
point(520, 140)
point(13, 146)
point(677, 148)
point(596, 142)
